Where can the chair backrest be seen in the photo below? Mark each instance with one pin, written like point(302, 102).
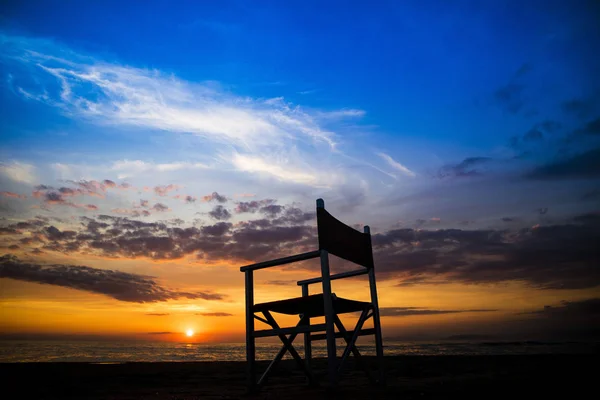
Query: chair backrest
point(343, 241)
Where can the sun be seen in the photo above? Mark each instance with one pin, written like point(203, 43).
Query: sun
point(189, 333)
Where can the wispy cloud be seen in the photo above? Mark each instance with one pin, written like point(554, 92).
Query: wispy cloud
point(18, 172)
point(287, 168)
point(396, 165)
point(127, 168)
point(344, 113)
point(109, 93)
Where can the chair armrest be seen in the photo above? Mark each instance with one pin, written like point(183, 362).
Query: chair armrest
point(341, 275)
point(282, 261)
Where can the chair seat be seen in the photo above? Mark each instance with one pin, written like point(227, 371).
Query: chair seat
point(311, 305)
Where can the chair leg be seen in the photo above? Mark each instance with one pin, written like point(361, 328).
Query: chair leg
point(379, 346)
point(354, 349)
point(307, 341)
point(250, 340)
point(287, 345)
point(329, 320)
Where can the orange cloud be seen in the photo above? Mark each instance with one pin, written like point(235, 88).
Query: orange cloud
point(13, 195)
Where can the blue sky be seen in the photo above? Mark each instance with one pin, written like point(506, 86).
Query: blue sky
point(478, 118)
point(385, 95)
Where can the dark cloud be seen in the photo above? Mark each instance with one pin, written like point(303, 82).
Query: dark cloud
point(510, 96)
point(583, 107)
point(583, 165)
point(294, 216)
point(161, 333)
point(116, 284)
point(215, 314)
point(582, 308)
point(214, 196)
point(542, 210)
point(218, 229)
point(220, 213)
point(593, 194)
point(157, 314)
point(591, 128)
point(280, 282)
point(410, 311)
point(559, 256)
point(272, 210)
point(115, 236)
point(466, 168)
point(546, 257)
point(252, 206)
point(159, 207)
point(508, 219)
point(537, 133)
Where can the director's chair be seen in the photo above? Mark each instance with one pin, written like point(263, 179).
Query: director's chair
point(345, 242)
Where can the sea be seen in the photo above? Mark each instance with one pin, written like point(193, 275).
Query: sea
point(15, 351)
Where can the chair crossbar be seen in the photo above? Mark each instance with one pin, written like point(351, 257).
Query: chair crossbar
point(351, 344)
point(287, 346)
point(340, 335)
point(341, 275)
point(261, 319)
point(290, 330)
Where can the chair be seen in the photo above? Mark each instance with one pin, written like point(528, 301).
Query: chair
point(345, 242)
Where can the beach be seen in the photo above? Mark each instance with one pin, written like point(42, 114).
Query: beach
point(408, 377)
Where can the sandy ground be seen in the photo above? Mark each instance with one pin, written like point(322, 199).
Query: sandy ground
point(408, 377)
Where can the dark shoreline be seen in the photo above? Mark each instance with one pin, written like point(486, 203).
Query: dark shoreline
point(408, 377)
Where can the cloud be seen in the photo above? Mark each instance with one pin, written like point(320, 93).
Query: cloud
point(466, 168)
point(18, 172)
point(127, 168)
point(582, 107)
point(111, 94)
point(584, 165)
point(121, 237)
point(121, 286)
point(13, 195)
point(133, 212)
point(560, 256)
point(159, 207)
point(214, 196)
point(582, 308)
point(343, 113)
point(510, 96)
point(215, 314)
point(281, 169)
point(220, 213)
point(164, 190)
point(396, 165)
point(591, 128)
point(411, 311)
point(51, 197)
point(157, 314)
point(252, 206)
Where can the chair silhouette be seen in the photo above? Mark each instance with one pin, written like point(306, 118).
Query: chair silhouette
point(345, 242)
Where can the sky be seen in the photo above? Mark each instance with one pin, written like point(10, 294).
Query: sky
point(150, 149)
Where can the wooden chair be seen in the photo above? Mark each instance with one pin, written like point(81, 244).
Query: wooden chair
point(343, 241)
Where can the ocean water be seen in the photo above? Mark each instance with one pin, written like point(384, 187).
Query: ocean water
point(128, 351)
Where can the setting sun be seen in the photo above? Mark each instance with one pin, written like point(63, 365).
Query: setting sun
point(189, 333)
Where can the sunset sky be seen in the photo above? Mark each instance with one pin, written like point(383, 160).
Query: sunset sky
point(150, 149)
